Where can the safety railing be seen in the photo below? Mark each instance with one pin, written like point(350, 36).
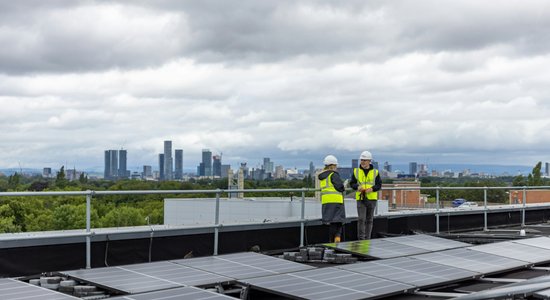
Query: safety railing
point(89, 194)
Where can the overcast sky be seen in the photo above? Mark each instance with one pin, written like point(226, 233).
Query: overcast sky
point(427, 81)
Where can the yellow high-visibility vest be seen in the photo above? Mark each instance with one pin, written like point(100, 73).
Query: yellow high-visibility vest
point(366, 182)
point(328, 193)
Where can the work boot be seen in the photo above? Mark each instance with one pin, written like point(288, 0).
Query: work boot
point(337, 239)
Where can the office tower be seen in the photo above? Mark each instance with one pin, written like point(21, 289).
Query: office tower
point(47, 172)
point(122, 162)
point(311, 169)
point(217, 165)
point(111, 164)
point(245, 170)
point(178, 172)
point(161, 166)
point(147, 172)
point(168, 161)
point(387, 166)
point(413, 168)
point(355, 163)
point(206, 162)
point(268, 165)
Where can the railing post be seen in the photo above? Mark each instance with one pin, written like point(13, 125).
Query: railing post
point(88, 230)
point(485, 210)
point(217, 222)
point(523, 210)
point(302, 216)
point(437, 210)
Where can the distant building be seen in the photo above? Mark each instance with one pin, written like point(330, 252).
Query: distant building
point(547, 168)
point(168, 161)
point(205, 167)
point(147, 172)
point(217, 166)
point(267, 165)
point(178, 171)
point(355, 163)
point(47, 172)
point(413, 168)
point(311, 169)
point(280, 172)
point(224, 170)
point(387, 166)
point(122, 164)
point(161, 166)
point(111, 165)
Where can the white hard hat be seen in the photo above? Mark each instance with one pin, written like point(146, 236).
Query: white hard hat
point(365, 155)
point(330, 160)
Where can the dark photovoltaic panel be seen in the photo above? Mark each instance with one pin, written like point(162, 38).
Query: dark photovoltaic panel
point(17, 290)
point(471, 260)
point(243, 265)
point(122, 280)
point(184, 293)
point(427, 242)
point(541, 242)
point(515, 251)
point(328, 283)
point(176, 273)
point(410, 271)
point(377, 248)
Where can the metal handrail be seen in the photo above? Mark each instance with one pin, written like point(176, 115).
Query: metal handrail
point(89, 194)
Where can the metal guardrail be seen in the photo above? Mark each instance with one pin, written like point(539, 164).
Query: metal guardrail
point(89, 194)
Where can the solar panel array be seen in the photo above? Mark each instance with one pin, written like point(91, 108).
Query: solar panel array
point(328, 283)
point(17, 290)
point(243, 265)
point(472, 260)
point(411, 271)
point(396, 246)
point(409, 262)
point(516, 251)
point(184, 293)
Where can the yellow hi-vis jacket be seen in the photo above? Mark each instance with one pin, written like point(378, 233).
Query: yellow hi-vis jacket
point(328, 193)
point(365, 181)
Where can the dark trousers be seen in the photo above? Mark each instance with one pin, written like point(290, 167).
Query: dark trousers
point(365, 218)
point(334, 230)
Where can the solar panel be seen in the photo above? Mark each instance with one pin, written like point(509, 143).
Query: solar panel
point(243, 265)
point(17, 290)
point(515, 251)
point(328, 283)
point(126, 281)
point(541, 242)
point(427, 242)
point(184, 293)
point(410, 271)
point(471, 260)
point(177, 273)
point(377, 248)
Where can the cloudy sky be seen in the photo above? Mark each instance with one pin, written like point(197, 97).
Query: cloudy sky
point(431, 81)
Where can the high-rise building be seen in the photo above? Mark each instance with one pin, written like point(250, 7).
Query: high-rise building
point(217, 165)
point(111, 165)
point(547, 167)
point(225, 170)
point(268, 165)
point(168, 161)
point(161, 166)
point(178, 171)
point(122, 164)
point(206, 168)
point(387, 166)
point(311, 169)
point(47, 172)
point(413, 168)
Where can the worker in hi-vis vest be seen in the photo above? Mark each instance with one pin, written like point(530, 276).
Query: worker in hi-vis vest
point(332, 199)
point(366, 181)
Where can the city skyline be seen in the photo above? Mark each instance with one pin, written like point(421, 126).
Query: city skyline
point(461, 82)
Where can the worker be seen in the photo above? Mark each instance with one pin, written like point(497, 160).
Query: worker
point(366, 181)
point(332, 199)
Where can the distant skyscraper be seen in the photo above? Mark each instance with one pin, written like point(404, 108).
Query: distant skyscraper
point(206, 169)
point(225, 170)
point(547, 167)
point(168, 161)
point(107, 170)
point(161, 166)
point(268, 165)
point(178, 172)
point(311, 169)
point(387, 166)
point(111, 164)
point(122, 163)
point(47, 172)
point(217, 165)
point(413, 168)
